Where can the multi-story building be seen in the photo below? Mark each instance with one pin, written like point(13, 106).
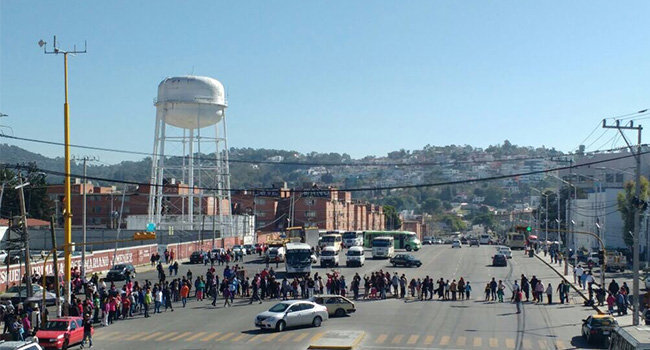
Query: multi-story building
point(328, 209)
point(104, 203)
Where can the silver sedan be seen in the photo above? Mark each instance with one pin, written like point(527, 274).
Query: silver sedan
point(291, 313)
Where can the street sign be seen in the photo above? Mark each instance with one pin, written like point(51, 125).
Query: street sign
point(151, 227)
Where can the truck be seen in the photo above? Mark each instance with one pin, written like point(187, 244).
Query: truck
point(299, 234)
point(615, 261)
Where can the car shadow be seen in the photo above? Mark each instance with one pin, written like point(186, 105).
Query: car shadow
point(581, 343)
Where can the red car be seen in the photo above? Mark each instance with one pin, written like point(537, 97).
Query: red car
point(60, 333)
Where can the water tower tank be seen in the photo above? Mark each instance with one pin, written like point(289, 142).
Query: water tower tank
point(190, 102)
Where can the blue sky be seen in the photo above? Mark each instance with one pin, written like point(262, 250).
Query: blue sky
point(362, 77)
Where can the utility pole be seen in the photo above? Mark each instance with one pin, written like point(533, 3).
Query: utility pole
point(638, 203)
point(23, 213)
point(67, 212)
point(85, 159)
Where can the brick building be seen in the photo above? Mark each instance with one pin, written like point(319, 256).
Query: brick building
point(328, 209)
point(103, 203)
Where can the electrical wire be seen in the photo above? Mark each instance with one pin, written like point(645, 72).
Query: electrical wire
point(588, 136)
point(309, 164)
point(377, 188)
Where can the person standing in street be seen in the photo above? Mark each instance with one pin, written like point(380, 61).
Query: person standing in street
point(518, 297)
point(493, 289)
point(185, 291)
point(468, 290)
point(88, 332)
point(147, 302)
point(549, 293)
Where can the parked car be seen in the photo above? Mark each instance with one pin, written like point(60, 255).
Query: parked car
point(456, 244)
point(196, 257)
point(18, 294)
point(407, 260)
point(499, 260)
point(61, 333)
point(119, 272)
point(474, 242)
point(336, 305)
point(291, 313)
point(598, 327)
point(355, 256)
point(20, 345)
point(249, 248)
point(238, 249)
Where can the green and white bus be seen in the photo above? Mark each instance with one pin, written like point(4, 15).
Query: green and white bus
point(403, 239)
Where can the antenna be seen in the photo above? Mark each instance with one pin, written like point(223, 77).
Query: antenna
point(56, 50)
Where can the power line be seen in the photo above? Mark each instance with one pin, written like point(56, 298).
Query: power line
point(378, 188)
point(324, 164)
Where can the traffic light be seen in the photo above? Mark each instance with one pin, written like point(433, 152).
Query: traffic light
point(144, 236)
point(601, 256)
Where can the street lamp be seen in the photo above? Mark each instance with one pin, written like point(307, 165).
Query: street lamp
point(568, 221)
point(67, 212)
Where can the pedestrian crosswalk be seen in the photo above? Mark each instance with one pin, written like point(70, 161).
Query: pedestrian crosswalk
point(371, 340)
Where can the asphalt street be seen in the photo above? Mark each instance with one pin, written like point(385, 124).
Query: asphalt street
point(387, 324)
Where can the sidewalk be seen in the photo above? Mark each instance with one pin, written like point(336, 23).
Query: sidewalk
point(559, 270)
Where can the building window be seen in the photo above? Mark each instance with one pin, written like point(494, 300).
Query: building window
point(260, 214)
point(97, 210)
point(310, 201)
point(609, 178)
point(310, 214)
point(619, 178)
point(260, 201)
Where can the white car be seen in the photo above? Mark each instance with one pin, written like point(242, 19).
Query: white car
point(505, 251)
point(456, 243)
point(355, 256)
point(291, 313)
point(238, 249)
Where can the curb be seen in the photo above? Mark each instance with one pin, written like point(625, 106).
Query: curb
point(595, 307)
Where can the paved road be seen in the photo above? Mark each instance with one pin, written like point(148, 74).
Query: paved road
point(388, 324)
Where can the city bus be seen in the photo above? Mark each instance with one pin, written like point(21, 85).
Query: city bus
point(352, 239)
point(515, 240)
point(383, 247)
point(402, 239)
point(298, 259)
point(331, 239)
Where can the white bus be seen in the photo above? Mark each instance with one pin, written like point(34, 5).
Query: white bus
point(383, 247)
point(353, 239)
point(298, 259)
point(331, 240)
point(484, 239)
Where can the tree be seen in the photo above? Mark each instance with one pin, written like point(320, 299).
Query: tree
point(431, 205)
point(391, 218)
point(37, 202)
point(626, 205)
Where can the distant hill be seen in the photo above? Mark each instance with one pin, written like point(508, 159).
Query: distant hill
point(254, 168)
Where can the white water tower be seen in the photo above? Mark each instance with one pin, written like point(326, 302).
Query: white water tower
point(190, 154)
